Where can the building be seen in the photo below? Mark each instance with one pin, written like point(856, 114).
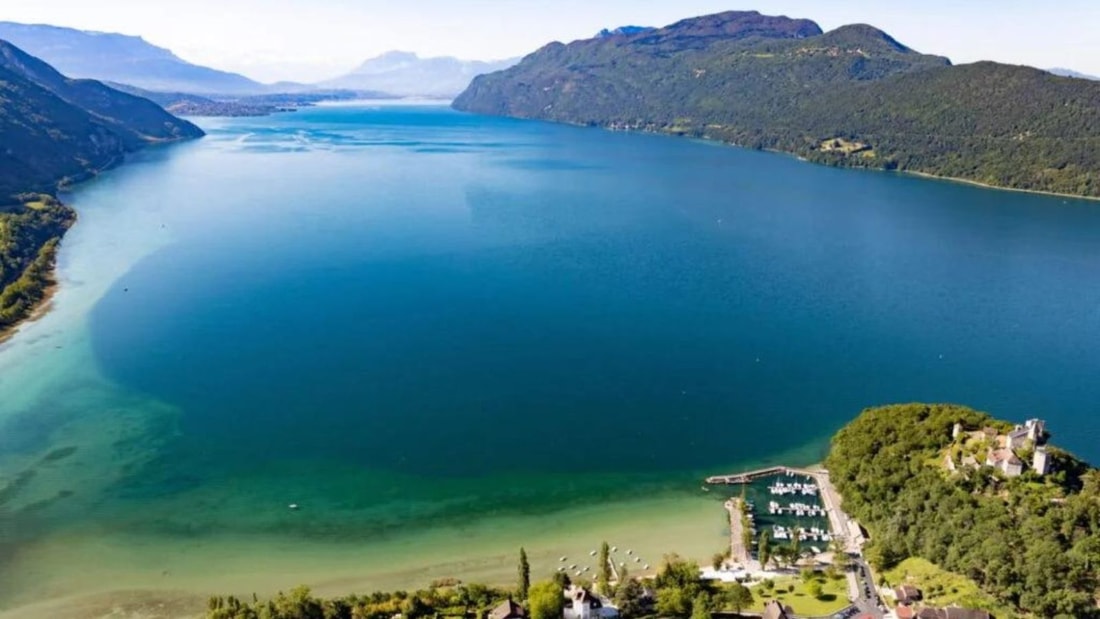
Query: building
point(508, 610)
point(775, 610)
point(1040, 462)
point(583, 604)
point(1005, 461)
point(907, 594)
point(952, 613)
point(1033, 430)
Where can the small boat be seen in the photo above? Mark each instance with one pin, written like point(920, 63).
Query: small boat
point(614, 549)
point(562, 559)
point(293, 506)
point(645, 567)
point(592, 554)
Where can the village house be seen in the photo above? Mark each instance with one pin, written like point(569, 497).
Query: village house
point(907, 594)
point(583, 604)
point(508, 610)
point(1005, 461)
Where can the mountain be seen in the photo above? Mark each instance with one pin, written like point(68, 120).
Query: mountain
point(124, 59)
point(55, 130)
point(853, 96)
point(624, 31)
point(1071, 73)
point(405, 74)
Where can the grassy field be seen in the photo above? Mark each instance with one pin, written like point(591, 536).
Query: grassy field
point(793, 592)
point(942, 588)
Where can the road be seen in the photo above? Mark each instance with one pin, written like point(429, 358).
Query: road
point(860, 579)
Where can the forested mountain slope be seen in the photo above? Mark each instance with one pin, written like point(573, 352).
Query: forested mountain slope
point(853, 96)
point(54, 130)
point(1031, 541)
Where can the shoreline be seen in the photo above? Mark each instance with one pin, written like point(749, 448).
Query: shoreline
point(787, 153)
point(40, 309)
point(966, 181)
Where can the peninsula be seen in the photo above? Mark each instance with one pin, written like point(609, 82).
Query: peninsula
point(852, 97)
point(57, 131)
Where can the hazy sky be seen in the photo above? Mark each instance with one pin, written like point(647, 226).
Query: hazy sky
point(308, 40)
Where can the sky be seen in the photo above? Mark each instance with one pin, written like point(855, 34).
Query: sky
point(311, 40)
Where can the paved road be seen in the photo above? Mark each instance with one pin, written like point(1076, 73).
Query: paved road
point(869, 601)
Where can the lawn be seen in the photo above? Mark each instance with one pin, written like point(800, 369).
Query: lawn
point(793, 592)
point(943, 588)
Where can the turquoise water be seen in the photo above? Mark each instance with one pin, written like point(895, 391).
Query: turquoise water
point(406, 319)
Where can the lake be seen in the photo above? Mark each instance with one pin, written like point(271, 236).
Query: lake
point(443, 336)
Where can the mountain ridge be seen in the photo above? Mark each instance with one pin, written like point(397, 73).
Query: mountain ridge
point(853, 96)
point(122, 58)
point(57, 131)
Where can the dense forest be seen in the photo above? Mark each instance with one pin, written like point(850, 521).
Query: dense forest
point(54, 131)
point(1032, 542)
point(29, 234)
point(851, 97)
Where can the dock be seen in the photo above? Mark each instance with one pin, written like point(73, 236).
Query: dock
point(738, 552)
point(751, 476)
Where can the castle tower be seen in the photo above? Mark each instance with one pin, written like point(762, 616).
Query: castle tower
point(1041, 461)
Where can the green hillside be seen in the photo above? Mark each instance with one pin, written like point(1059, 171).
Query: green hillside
point(1032, 542)
point(54, 131)
point(853, 97)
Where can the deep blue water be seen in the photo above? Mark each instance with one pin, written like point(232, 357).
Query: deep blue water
point(418, 292)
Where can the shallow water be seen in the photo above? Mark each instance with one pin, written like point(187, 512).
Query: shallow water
point(446, 335)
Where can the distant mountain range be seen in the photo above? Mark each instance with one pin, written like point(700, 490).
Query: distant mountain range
point(124, 59)
point(405, 74)
point(1071, 73)
point(853, 96)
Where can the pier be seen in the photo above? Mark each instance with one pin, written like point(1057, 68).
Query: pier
point(739, 553)
point(751, 476)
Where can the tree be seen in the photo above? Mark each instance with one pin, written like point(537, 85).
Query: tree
point(717, 560)
point(546, 600)
point(674, 602)
point(700, 607)
point(738, 597)
point(763, 550)
point(814, 589)
point(524, 574)
point(562, 579)
point(604, 581)
point(628, 599)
